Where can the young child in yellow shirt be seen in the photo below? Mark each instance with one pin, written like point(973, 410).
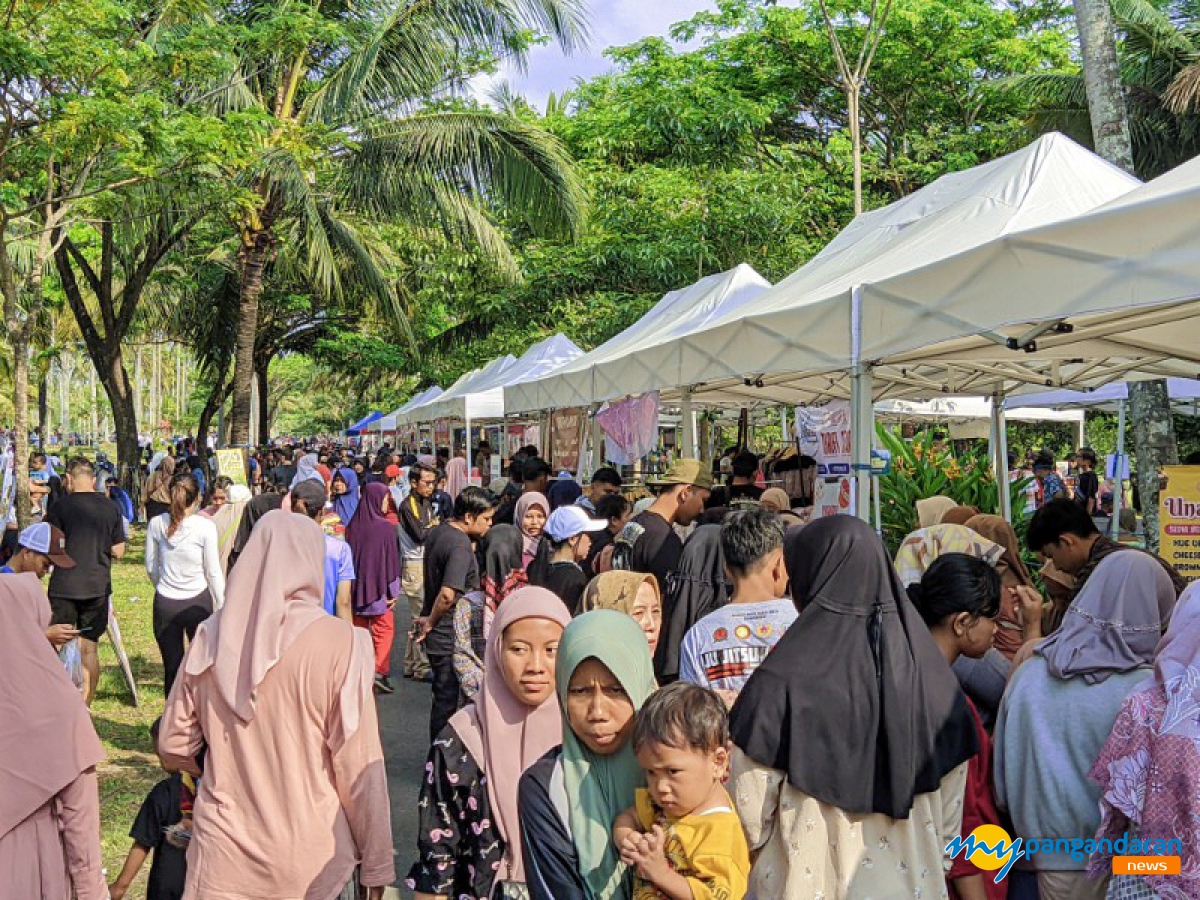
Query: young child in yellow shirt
point(682, 835)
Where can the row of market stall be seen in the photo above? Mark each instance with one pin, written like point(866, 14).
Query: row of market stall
point(1046, 269)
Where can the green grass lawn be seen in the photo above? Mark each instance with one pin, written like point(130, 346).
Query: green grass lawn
point(131, 768)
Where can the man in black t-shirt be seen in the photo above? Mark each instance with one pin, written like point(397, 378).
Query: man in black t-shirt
point(450, 571)
point(649, 543)
point(95, 537)
point(1087, 490)
point(742, 487)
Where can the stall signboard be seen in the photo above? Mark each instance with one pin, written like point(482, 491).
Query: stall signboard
point(231, 462)
point(441, 434)
point(566, 438)
point(824, 434)
point(835, 497)
point(1179, 520)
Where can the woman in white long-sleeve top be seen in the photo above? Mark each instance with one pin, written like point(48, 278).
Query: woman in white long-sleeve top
point(183, 559)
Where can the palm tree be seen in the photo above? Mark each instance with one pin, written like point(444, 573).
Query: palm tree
point(346, 90)
point(1159, 58)
point(1157, 75)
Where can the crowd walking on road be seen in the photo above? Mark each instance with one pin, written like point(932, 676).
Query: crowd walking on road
point(721, 696)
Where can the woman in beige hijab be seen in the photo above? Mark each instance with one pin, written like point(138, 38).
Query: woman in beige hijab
point(633, 593)
point(49, 800)
point(931, 509)
point(228, 519)
point(293, 804)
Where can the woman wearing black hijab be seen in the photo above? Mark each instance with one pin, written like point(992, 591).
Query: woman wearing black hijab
point(852, 738)
point(695, 589)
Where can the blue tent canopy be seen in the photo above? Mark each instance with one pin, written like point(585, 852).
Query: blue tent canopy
point(360, 427)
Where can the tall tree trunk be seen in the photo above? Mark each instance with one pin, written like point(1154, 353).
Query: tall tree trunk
point(43, 403)
point(253, 262)
point(1102, 81)
point(216, 397)
point(20, 349)
point(1154, 430)
point(122, 399)
point(853, 96)
point(264, 416)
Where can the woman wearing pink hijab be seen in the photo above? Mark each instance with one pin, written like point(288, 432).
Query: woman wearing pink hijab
point(49, 800)
point(469, 842)
point(293, 804)
point(530, 515)
point(456, 477)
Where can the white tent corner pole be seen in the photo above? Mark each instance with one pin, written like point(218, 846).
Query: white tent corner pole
point(467, 441)
point(862, 411)
point(1006, 494)
point(1118, 468)
point(687, 423)
point(999, 448)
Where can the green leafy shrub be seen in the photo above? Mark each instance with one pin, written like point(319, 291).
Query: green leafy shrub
point(921, 469)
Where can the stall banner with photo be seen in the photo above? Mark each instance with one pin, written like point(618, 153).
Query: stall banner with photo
point(835, 497)
point(1179, 520)
point(566, 438)
point(231, 462)
point(824, 434)
point(441, 434)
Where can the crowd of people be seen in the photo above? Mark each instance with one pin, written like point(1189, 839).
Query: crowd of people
point(703, 694)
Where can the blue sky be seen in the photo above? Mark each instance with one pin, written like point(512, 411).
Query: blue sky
point(613, 24)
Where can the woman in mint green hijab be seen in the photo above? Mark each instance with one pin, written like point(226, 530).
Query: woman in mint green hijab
point(569, 798)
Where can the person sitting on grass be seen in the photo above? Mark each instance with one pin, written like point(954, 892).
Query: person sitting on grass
point(682, 833)
point(163, 827)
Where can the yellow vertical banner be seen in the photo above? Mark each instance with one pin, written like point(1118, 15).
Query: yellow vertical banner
point(1179, 520)
point(231, 462)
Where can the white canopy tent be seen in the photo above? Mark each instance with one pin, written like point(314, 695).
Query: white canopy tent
point(965, 409)
point(799, 341)
point(1119, 288)
point(465, 385)
point(388, 423)
point(828, 329)
point(484, 399)
point(640, 358)
point(1184, 392)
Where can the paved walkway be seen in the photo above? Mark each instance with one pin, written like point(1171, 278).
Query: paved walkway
point(404, 726)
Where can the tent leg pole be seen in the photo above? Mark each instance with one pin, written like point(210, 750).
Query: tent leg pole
point(597, 440)
point(467, 442)
point(862, 430)
point(687, 425)
point(1118, 469)
point(999, 447)
point(862, 411)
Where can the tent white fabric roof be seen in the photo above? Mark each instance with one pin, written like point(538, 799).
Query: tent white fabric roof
point(1180, 390)
point(796, 342)
point(646, 355)
point(484, 398)
point(466, 384)
point(1117, 286)
point(388, 422)
point(954, 409)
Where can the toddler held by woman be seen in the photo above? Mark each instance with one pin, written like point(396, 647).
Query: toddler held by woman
point(682, 835)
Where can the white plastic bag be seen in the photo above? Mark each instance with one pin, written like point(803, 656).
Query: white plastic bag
point(72, 661)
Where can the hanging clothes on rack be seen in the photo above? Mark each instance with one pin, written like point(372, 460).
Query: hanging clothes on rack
point(630, 428)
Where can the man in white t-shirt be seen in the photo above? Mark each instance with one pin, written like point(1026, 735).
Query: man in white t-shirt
point(723, 649)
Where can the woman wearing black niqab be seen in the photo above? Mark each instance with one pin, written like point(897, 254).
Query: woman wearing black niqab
point(852, 737)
